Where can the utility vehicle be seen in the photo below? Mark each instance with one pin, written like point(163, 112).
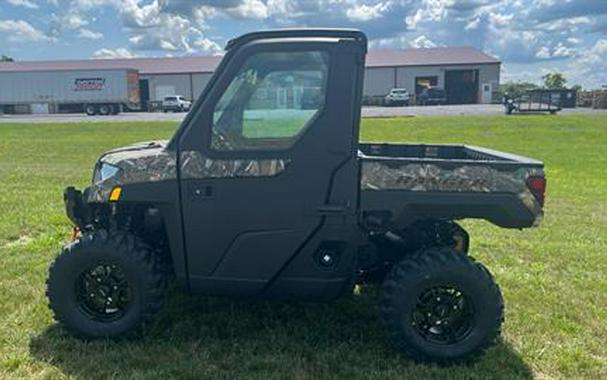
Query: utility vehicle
point(257, 196)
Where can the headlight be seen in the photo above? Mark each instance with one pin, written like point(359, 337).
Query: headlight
point(105, 171)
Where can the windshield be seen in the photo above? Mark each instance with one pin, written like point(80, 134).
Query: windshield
point(170, 98)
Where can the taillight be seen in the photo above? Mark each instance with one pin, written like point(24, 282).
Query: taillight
point(537, 185)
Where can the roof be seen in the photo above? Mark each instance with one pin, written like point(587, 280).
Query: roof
point(429, 57)
point(145, 66)
point(207, 64)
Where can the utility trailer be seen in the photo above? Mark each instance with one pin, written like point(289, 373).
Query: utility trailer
point(532, 101)
point(288, 204)
point(103, 92)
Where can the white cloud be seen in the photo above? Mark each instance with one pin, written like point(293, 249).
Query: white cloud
point(89, 34)
point(22, 31)
point(543, 53)
point(561, 51)
point(249, 9)
point(474, 24)
point(113, 53)
point(207, 45)
point(364, 12)
point(73, 21)
point(24, 3)
point(422, 42)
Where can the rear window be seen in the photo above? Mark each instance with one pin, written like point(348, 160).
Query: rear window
point(399, 91)
point(170, 98)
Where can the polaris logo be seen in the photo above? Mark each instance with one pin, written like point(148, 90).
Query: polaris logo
point(89, 84)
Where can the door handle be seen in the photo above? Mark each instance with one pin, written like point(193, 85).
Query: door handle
point(332, 209)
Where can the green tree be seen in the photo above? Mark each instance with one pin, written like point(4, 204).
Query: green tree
point(516, 89)
point(577, 87)
point(6, 58)
point(554, 81)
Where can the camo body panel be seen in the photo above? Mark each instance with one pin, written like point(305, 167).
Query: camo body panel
point(152, 162)
point(138, 163)
point(194, 165)
point(377, 175)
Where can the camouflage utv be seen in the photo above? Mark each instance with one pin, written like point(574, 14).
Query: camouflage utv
point(267, 196)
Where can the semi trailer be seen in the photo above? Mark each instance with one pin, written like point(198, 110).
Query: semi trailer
point(95, 92)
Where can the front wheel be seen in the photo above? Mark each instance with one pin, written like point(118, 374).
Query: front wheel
point(441, 306)
point(105, 285)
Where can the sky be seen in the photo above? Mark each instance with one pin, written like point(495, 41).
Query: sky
point(530, 37)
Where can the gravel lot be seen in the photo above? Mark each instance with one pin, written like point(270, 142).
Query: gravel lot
point(476, 109)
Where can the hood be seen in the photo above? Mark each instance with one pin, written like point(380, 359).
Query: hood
point(142, 162)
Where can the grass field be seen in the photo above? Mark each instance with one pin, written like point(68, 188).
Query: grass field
point(554, 278)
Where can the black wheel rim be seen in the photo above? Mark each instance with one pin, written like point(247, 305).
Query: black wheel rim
point(103, 293)
point(443, 315)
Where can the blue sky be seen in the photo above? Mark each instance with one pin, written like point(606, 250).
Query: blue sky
point(531, 37)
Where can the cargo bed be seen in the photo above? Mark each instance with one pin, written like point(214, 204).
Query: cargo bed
point(414, 182)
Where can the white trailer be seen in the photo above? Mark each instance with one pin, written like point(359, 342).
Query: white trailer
point(101, 92)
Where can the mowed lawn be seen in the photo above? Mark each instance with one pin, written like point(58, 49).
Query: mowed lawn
point(554, 278)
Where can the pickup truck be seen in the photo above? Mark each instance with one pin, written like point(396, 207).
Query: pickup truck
point(261, 199)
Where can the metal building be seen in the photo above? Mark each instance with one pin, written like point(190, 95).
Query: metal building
point(467, 74)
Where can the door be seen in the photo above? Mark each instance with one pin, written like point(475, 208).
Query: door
point(487, 95)
point(144, 93)
point(259, 176)
point(461, 86)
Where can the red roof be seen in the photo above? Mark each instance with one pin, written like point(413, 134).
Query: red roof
point(428, 57)
point(207, 64)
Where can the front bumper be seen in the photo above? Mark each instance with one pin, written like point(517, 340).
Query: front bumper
point(76, 208)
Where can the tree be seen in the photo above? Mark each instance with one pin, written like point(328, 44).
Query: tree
point(577, 88)
point(6, 58)
point(554, 81)
point(516, 89)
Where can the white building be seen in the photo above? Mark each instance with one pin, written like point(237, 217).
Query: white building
point(467, 74)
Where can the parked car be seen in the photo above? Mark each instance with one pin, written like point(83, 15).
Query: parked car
point(397, 97)
point(176, 103)
point(432, 96)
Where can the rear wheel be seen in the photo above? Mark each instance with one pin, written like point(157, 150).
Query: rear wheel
point(105, 285)
point(90, 109)
point(105, 109)
point(441, 306)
